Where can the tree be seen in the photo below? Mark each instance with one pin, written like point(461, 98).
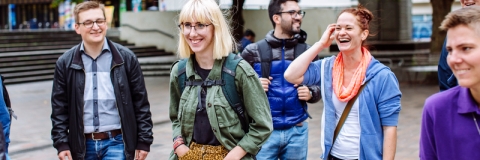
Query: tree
point(237, 21)
point(440, 9)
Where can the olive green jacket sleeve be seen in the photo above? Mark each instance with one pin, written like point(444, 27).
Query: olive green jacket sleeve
point(174, 101)
point(257, 107)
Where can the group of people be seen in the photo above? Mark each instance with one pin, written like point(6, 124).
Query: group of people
point(253, 105)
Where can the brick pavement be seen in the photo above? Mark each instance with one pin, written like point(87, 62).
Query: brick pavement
point(30, 134)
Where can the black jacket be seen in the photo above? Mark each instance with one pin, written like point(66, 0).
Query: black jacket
point(131, 100)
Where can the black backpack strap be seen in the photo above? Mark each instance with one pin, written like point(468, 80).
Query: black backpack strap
point(266, 57)
point(299, 49)
point(230, 89)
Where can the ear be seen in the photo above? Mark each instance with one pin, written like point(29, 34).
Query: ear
point(276, 19)
point(365, 34)
point(77, 28)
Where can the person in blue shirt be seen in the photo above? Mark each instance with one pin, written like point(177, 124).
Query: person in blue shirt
point(5, 118)
point(446, 79)
point(248, 37)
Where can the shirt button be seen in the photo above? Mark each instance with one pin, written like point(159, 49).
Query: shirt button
point(94, 74)
point(94, 87)
point(209, 104)
point(214, 130)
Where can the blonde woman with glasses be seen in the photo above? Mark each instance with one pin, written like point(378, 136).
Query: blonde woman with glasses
point(205, 125)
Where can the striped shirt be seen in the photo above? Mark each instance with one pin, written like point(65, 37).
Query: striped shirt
point(100, 110)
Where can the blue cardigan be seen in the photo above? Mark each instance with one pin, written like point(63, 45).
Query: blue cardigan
point(379, 106)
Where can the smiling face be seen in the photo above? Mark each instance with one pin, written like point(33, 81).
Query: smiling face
point(466, 3)
point(348, 33)
point(200, 39)
point(463, 46)
point(97, 33)
point(290, 24)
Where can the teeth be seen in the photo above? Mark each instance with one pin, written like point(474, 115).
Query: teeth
point(344, 40)
point(462, 70)
point(195, 41)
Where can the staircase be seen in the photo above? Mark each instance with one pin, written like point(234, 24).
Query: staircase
point(28, 56)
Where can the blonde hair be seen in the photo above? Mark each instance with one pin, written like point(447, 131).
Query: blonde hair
point(84, 6)
point(206, 11)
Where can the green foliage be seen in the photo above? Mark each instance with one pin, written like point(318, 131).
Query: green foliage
point(55, 3)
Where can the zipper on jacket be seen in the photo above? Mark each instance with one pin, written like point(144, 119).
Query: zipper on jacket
point(283, 80)
point(118, 110)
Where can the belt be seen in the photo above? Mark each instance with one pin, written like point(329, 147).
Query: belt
point(103, 135)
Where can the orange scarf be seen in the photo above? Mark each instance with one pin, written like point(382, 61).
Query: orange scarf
point(348, 93)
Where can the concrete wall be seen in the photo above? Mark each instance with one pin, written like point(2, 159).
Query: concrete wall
point(162, 21)
point(314, 23)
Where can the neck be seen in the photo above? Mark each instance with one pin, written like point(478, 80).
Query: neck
point(205, 60)
point(475, 94)
point(351, 59)
point(280, 34)
point(93, 50)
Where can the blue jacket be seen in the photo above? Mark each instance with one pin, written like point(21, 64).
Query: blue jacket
point(287, 110)
point(379, 106)
point(446, 79)
point(4, 118)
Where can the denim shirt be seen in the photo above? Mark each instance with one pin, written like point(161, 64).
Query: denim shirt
point(223, 119)
point(379, 105)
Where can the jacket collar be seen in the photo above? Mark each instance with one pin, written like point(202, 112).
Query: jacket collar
point(215, 73)
point(77, 62)
point(465, 101)
point(289, 43)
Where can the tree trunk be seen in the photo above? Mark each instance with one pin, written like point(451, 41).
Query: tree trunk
point(237, 21)
point(440, 9)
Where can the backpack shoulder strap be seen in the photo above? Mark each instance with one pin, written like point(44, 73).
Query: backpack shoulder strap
point(181, 73)
point(299, 49)
point(230, 89)
point(266, 57)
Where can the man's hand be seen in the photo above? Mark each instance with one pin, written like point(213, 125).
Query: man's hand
point(265, 82)
point(63, 155)
point(303, 93)
point(140, 154)
point(182, 150)
point(236, 153)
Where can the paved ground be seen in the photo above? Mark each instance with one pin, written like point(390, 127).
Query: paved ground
point(30, 134)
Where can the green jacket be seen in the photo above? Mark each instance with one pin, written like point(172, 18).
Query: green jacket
point(223, 119)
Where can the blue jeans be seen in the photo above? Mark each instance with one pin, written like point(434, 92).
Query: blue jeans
point(288, 144)
point(107, 149)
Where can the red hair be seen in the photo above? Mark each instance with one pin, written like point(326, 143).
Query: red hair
point(364, 16)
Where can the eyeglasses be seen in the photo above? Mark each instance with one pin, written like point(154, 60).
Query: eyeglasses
point(187, 27)
point(89, 24)
point(294, 13)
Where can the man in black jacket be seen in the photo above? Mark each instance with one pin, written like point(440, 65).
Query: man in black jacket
point(100, 108)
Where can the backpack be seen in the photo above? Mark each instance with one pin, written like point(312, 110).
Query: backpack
point(266, 59)
point(227, 82)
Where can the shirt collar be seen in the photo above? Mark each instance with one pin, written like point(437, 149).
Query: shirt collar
point(466, 103)
point(105, 46)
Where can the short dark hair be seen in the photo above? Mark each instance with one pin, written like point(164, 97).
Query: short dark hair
point(249, 32)
point(469, 16)
point(274, 7)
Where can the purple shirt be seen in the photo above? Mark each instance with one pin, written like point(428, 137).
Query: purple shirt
point(448, 129)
